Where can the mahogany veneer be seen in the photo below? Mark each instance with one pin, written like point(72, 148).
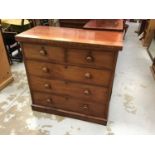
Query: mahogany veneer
point(5, 70)
point(105, 24)
point(71, 71)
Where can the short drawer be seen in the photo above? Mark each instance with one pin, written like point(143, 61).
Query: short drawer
point(65, 103)
point(43, 52)
point(83, 91)
point(72, 73)
point(96, 59)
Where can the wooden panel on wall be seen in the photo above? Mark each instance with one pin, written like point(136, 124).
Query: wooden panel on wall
point(5, 71)
point(149, 32)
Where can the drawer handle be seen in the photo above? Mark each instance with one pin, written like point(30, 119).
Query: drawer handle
point(43, 52)
point(87, 92)
point(88, 76)
point(49, 100)
point(47, 86)
point(89, 59)
point(85, 107)
point(45, 69)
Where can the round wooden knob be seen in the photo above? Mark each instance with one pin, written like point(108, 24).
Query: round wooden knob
point(66, 97)
point(43, 52)
point(85, 107)
point(45, 69)
point(88, 75)
point(89, 59)
point(86, 92)
point(46, 85)
point(48, 100)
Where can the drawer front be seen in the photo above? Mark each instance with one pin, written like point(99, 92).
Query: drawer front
point(94, 59)
point(104, 59)
point(42, 52)
point(48, 100)
point(72, 73)
point(83, 91)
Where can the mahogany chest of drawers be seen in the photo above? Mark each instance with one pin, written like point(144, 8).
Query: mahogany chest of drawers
point(71, 71)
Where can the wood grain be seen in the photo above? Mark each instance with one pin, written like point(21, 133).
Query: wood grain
point(5, 70)
point(72, 37)
point(105, 24)
point(69, 104)
point(72, 89)
point(71, 73)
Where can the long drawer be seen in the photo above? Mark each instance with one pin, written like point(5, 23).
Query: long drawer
point(88, 108)
point(82, 91)
point(72, 73)
point(95, 59)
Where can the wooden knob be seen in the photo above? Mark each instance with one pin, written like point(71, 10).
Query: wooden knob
point(49, 100)
point(45, 69)
point(66, 97)
point(86, 92)
point(89, 59)
point(85, 107)
point(46, 85)
point(88, 75)
point(43, 52)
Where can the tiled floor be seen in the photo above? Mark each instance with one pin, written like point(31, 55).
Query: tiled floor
point(132, 105)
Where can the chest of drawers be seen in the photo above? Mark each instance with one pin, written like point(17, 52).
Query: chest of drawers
point(71, 71)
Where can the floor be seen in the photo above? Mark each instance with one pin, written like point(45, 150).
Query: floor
point(132, 105)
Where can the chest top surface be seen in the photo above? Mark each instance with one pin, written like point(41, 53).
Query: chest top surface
point(44, 34)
